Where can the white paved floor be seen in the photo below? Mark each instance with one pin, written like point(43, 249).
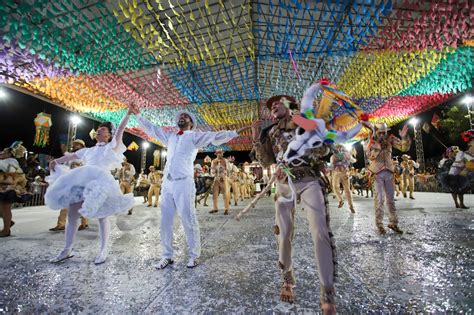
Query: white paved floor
point(428, 269)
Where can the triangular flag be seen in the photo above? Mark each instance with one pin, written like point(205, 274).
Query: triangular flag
point(133, 146)
point(435, 121)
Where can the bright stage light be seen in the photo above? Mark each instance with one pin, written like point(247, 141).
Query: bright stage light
point(413, 121)
point(146, 145)
point(3, 94)
point(468, 99)
point(76, 120)
point(163, 153)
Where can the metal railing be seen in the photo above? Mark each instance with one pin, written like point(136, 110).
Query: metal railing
point(37, 200)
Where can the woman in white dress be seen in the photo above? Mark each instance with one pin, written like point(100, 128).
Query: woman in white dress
point(90, 190)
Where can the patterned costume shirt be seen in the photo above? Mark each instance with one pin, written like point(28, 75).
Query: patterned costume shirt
point(380, 152)
point(273, 143)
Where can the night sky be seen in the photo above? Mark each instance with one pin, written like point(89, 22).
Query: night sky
point(18, 110)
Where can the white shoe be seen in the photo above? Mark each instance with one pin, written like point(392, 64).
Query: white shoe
point(163, 263)
point(65, 254)
point(101, 258)
point(192, 262)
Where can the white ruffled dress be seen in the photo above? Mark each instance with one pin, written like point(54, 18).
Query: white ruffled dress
point(91, 183)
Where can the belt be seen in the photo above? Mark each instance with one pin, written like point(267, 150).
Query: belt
point(175, 179)
point(304, 172)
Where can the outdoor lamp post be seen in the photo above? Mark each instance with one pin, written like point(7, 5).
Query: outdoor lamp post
point(3, 94)
point(163, 159)
point(469, 101)
point(420, 155)
point(74, 120)
point(145, 146)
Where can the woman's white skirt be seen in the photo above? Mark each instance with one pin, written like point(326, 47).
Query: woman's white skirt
point(97, 188)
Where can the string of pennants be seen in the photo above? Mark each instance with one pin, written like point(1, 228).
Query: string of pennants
point(222, 59)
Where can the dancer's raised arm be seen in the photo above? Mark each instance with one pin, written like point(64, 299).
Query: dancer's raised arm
point(64, 159)
point(150, 129)
point(118, 136)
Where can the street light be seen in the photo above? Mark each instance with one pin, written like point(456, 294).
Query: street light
point(413, 121)
point(420, 154)
point(75, 119)
point(163, 159)
point(469, 101)
point(145, 146)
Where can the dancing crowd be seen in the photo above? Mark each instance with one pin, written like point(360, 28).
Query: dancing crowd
point(307, 159)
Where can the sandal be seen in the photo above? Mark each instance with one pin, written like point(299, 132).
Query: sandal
point(6, 234)
point(395, 228)
point(64, 255)
point(193, 262)
point(163, 263)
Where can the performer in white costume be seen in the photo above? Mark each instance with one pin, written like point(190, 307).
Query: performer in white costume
point(90, 190)
point(178, 189)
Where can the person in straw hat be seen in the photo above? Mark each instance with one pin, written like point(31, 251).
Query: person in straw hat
point(409, 168)
point(178, 188)
point(305, 181)
point(220, 169)
point(379, 153)
point(341, 161)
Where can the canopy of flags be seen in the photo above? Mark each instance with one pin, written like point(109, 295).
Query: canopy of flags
point(223, 59)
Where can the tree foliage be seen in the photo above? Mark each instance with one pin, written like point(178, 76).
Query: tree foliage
point(454, 120)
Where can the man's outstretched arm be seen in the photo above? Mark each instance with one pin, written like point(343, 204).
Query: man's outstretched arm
point(216, 138)
point(149, 128)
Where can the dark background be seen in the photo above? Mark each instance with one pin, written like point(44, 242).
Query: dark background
point(18, 110)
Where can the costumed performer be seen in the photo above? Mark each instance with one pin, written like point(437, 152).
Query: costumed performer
point(178, 188)
point(90, 190)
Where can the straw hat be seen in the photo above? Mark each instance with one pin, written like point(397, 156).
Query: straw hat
point(285, 99)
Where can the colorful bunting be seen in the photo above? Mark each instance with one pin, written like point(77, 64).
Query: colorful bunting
point(221, 60)
point(42, 125)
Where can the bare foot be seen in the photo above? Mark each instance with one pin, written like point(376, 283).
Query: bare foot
point(286, 293)
point(328, 309)
point(381, 230)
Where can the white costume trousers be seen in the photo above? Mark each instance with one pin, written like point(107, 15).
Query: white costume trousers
point(179, 195)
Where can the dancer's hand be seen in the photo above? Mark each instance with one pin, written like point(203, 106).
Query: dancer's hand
point(241, 130)
point(133, 109)
point(404, 131)
point(280, 174)
point(256, 127)
point(52, 164)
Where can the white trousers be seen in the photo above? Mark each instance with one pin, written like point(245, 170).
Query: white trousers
point(179, 195)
